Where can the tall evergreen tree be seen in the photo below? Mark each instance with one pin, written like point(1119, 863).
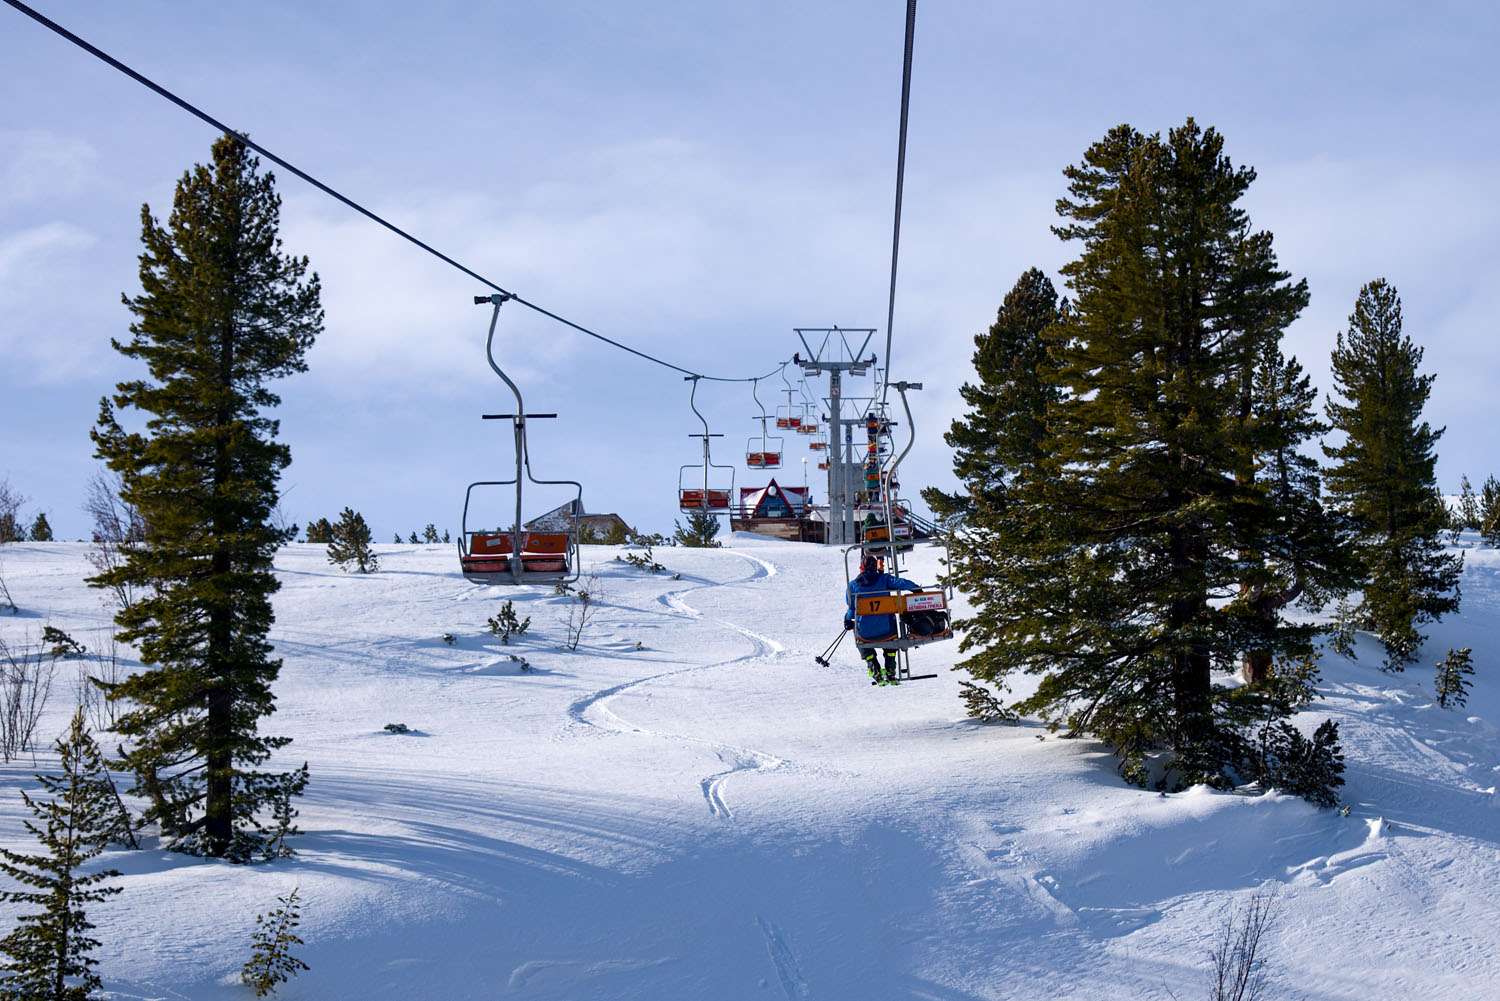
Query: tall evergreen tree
point(998, 447)
point(49, 951)
point(1383, 475)
point(1168, 520)
point(221, 312)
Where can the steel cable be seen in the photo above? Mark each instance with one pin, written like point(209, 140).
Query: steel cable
point(331, 192)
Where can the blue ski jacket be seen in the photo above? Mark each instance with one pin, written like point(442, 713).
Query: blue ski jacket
point(870, 627)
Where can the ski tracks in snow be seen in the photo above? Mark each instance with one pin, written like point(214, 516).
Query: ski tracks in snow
point(738, 759)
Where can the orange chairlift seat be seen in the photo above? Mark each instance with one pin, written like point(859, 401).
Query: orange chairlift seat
point(493, 555)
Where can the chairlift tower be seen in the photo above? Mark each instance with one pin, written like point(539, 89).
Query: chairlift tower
point(835, 357)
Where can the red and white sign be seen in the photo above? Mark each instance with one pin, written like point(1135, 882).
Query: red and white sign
point(926, 601)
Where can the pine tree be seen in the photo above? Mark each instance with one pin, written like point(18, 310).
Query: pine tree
point(1001, 439)
point(429, 534)
point(1467, 515)
point(1300, 551)
point(1383, 477)
point(1488, 515)
point(271, 961)
point(349, 546)
point(221, 312)
point(10, 513)
point(321, 530)
point(1452, 681)
point(41, 530)
point(700, 531)
point(1167, 522)
point(49, 951)
point(998, 448)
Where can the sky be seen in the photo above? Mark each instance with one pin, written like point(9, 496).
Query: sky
point(696, 180)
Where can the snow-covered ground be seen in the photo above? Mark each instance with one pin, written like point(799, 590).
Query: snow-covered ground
point(687, 806)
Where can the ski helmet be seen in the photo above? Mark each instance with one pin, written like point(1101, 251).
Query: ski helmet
point(869, 564)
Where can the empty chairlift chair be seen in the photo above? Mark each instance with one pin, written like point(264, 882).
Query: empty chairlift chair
point(496, 554)
point(704, 486)
point(762, 451)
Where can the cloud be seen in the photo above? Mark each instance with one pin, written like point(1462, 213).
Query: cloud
point(36, 165)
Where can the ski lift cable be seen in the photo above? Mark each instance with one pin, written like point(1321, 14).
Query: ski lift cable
point(331, 192)
point(911, 27)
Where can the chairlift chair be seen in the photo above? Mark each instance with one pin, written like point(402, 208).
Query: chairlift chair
point(513, 555)
point(789, 417)
point(762, 451)
point(710, 497)
point(922, 616)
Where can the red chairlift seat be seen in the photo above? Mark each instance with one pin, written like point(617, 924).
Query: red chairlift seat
point(691, 499)
point(541, 553)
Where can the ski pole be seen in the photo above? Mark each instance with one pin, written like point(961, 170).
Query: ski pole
point(823, 660)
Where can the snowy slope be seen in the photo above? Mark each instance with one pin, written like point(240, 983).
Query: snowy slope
point(715, 816)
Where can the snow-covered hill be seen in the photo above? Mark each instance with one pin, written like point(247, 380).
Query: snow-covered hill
point(688, 807)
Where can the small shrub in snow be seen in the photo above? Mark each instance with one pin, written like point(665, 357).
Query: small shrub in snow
point(63, 646)
point(96, 679)
point(984, 706)
point(586, 597)
point(1237, 961)
point(5, 599)
point(349, 547)
point(643, 561)
point(1452, 681)
point(397, 728)
point(271, 961)
point(522, 663)
point(1284, 759)
point(25, 685)
point(449, 639)
point(506, 624)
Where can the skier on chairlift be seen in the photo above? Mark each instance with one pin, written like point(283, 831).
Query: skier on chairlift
point(872, 580)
